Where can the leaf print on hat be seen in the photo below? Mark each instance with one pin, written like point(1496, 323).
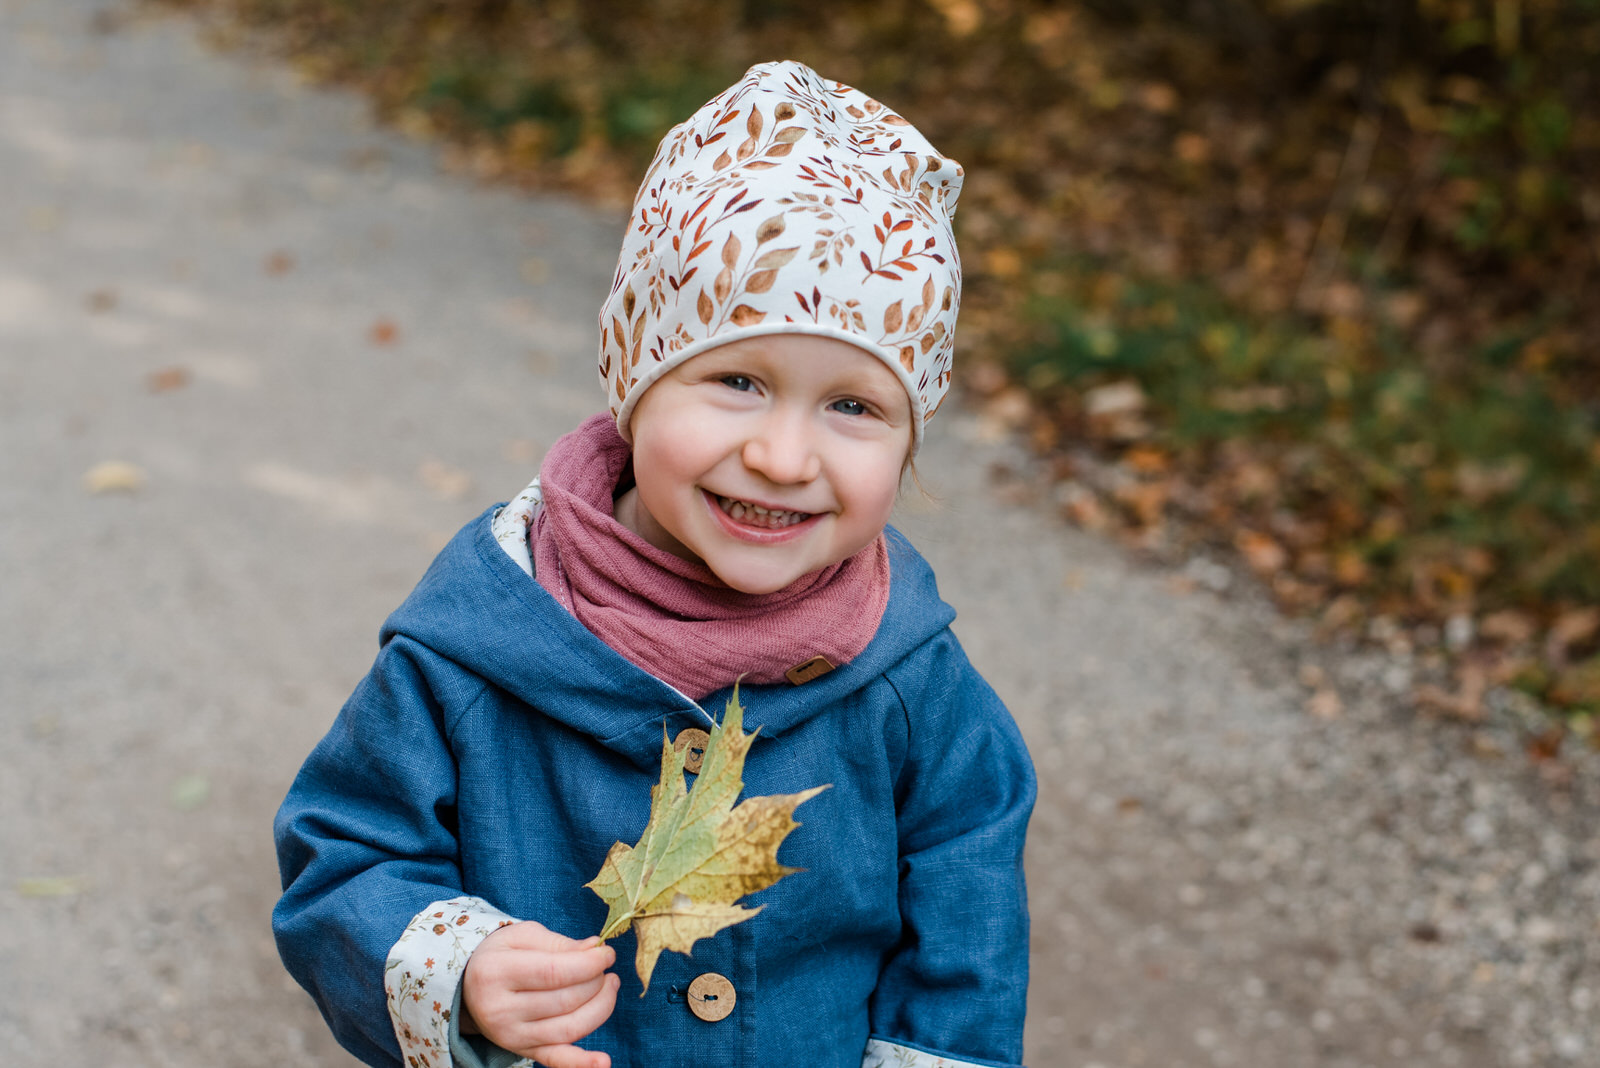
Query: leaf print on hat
point(789, 203)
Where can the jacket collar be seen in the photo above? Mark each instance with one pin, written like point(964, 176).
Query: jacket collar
point(476, 607)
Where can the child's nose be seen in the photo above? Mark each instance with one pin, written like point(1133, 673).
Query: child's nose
point(783, 450)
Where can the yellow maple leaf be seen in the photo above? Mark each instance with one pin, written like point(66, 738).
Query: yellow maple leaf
point(698, 854)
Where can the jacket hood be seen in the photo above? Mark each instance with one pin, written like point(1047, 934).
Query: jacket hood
point(475, 607)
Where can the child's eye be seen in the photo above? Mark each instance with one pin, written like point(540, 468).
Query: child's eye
point(739, 382)
point(849, 407)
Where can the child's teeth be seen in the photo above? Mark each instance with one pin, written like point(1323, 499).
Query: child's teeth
point(757, 515)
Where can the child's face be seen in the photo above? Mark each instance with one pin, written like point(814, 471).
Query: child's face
point(812, 430)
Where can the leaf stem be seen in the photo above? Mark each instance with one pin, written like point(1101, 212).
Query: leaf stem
point(616, 927)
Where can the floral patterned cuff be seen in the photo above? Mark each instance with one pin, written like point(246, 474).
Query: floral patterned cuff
point(423, 972)
point(881, 1054)
point(514, 522)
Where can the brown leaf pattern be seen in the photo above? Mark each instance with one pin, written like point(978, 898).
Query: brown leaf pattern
point(788, 203)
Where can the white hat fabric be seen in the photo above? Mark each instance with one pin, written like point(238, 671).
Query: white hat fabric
point(788, 204)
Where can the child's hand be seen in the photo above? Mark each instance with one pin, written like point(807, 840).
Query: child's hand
point(535, 992)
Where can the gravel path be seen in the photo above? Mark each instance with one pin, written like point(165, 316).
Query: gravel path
point(310, 355)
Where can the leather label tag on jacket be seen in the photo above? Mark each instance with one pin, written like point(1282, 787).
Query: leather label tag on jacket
point(816, 667)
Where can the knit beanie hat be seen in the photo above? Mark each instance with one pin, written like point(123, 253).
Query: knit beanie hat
point(788, 204)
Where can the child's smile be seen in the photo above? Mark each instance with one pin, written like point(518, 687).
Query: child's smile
point(749, 513)
point(768, 458)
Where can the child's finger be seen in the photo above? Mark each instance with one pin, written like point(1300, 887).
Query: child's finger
point(554, 971)
point(532, 935)
point(546, 1004)
point(561, 1030)
point(570, 1057)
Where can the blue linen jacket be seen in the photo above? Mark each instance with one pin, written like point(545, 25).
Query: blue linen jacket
point(498, 748)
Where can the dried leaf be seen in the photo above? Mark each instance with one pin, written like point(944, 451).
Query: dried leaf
point(698, 854)
point(1573, 627)
point(444, 481)
point(1264, 555)
point(50, 886)
point(1114, 399)
point(114, 476)
point(1325, 704)
point(190, 792)
point(166, 379)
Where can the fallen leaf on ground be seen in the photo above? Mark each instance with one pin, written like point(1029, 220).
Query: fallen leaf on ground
point(1485, 747)
point(383, 332)
point(521, 451)
point(1114, 398)
point(1510, 627)
point(190, 792)
point(114, 476)
point(987, 378)
point(1546, 745)
point(1083, 509)
point(698, 854)
point(168, 378)
point(1466, 704)
point(1264, 555)
point(1325, 704)
point(1009, 408)
point(449, 483)
point(50, 886)
point(279, 262)
point(1574, 627)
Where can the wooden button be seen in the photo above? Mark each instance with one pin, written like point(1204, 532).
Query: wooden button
point(814, 668)
point(695, 740)
point(711, 997)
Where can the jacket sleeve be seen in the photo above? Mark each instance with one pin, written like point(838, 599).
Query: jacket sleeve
point(955, 987)
point(366, 841)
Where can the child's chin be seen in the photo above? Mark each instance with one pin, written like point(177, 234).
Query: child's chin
point(757, 583)
point(757, 589)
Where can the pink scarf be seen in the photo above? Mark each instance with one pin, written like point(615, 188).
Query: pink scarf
point(673, 617)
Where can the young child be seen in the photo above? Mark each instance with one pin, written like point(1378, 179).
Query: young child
point(780, 328)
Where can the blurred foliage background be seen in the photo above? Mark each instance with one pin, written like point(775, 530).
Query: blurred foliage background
point(1312, 282)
